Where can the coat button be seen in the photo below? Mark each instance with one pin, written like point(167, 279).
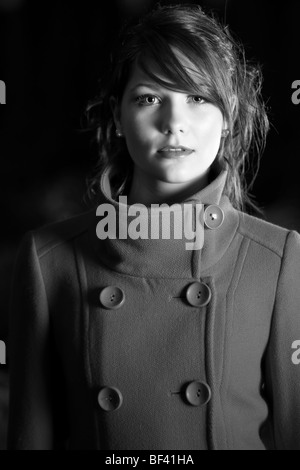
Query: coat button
point(112, 297)
point(198, 393)
point(213, 216)
point(110, 398)
point(198, 294)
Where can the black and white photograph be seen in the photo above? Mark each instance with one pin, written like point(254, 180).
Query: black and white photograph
point(150, 227)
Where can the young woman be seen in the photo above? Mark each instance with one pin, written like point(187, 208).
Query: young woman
point(123, 338)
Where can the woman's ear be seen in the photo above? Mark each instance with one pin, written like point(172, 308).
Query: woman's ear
point(225, 130)
point(115, 109)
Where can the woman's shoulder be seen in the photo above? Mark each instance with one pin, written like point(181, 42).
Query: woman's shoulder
point(52, 235)
point(267, 234)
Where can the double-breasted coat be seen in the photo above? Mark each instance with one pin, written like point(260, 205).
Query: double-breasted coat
point(126, 344)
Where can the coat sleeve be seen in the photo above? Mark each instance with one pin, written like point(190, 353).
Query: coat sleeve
point(282, 374)
point(31, 417)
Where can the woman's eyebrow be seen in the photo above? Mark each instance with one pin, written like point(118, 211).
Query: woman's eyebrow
point(147, 85)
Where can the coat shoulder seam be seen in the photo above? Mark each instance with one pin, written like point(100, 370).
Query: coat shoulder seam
point(253, 238)
point(52, 245)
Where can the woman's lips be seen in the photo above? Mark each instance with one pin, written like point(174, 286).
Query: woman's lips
point(175, 152)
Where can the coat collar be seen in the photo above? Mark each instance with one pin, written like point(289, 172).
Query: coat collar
point(169, 257)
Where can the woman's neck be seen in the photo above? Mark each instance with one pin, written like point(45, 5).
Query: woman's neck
point(148, 191)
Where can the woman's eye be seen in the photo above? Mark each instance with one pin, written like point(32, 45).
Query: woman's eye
point(147, 100)
point(197, 99)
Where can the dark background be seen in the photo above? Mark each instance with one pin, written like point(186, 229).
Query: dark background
point(51, 56)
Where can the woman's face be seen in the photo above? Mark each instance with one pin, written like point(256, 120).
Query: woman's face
point(171, 136)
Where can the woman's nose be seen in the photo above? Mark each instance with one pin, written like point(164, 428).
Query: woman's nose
point(172, 119)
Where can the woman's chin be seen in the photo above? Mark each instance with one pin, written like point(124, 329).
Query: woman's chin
point(180, 176)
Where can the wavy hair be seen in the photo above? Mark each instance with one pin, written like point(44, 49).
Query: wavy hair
point(221, 75)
